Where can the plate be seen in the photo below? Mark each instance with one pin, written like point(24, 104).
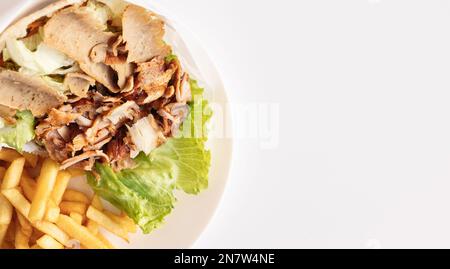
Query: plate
point(192, 213)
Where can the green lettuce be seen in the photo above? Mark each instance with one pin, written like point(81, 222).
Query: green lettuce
point(193, 177)
point(146, 192)
point(22, 132)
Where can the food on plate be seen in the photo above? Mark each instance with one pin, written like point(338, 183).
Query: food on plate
point(92, 87)
point(73, 220)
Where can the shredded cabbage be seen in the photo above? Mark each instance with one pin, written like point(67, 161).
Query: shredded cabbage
point(117, 6)
point(37, 59)
point(43, 61)
point(100, 12)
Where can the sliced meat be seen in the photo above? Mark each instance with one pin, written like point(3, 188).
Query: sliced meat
point(143, 32)
point(98, 53)
point(79, 35)
point(22, 92)
point(98, 97)
point(85, 165)
point(78, 84)
point(99, 145)
point(79, 142)
point(181, 82)
point(91, 134)
point(118, 47)
point(56, 146)
point(102, 73)
point(84, 122)
point(176, 113)
point(75, 32)
point(57, 117)
point(123, 112)
point(85, 107)
point(65, 133)
point(129, 85)
point(8, 114)
point(170, 91)
point(154, 77)
point(118, 150)
point(116, 52)
point(80, 158)
point(124, 72)
point(150, 95)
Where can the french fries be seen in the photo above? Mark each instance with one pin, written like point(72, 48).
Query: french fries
point(48, 242)
point(6, 211)
point(75, 196)
point(62, 180)
point(105, 241)
point(73, 207)
point(35, 246)
point(28, 186)
point(77, 217)
point(18, 201)
point(43, 213)
point(13, 174)
point(92, 226)
point(79, 233)
point(97, 203)
point(45, 184)
point(123, 220)
point(22, 240)
point(52, 212)
point(25, 225)
point(7, 245)
point(10, 233)
point(107, 223)
point(35, 235)
point(53, 230)
point(3, 231)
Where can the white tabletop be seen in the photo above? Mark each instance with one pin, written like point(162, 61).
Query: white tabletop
point(363, 89)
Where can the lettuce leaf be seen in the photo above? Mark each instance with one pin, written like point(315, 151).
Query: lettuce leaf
point(195, 126)
point(193, 174)
point(146, 192)
point(21, 133)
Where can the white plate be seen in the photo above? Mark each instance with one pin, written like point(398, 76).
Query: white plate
point(192, 213)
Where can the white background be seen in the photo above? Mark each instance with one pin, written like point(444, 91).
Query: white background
point(363, 159)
